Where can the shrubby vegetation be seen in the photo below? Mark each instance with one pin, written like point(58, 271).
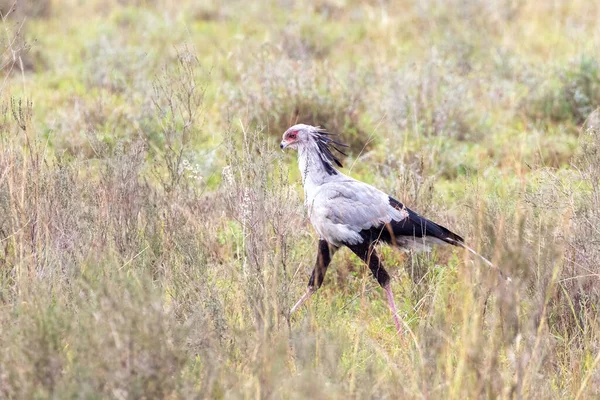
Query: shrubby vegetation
point(152, 236)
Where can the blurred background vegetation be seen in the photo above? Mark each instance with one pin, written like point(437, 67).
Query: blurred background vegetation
point(152, 236)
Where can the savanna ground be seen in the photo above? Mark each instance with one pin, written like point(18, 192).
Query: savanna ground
point(152, 235)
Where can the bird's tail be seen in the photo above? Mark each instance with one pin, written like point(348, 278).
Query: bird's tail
point(485, 260)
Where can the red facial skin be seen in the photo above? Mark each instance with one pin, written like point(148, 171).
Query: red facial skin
point(291, 137)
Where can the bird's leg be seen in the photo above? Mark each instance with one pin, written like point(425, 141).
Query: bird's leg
point(368, 254)
point(324, 253)
point(392, 304)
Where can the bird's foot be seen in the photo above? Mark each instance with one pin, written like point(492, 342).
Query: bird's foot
point(303, 299)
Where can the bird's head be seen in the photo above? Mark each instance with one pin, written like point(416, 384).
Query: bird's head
point(302, 136)
point(297, 135)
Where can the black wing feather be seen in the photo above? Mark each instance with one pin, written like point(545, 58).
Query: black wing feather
point(418, 226)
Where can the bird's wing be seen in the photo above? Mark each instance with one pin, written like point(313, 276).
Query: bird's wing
point(344, 208)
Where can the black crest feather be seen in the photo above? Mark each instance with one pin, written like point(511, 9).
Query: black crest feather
point(326, 144)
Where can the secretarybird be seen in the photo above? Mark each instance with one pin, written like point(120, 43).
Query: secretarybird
point(347, 212)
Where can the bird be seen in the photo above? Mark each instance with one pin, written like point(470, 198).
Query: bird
point(346, 212)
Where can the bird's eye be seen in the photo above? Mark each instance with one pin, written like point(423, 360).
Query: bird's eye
point(292, 136)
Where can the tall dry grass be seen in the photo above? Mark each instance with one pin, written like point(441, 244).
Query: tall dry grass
point(150, 247)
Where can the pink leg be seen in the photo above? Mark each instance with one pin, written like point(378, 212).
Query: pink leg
point(392, 304)
point(303, 299)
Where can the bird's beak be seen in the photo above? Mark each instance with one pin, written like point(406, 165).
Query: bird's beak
point(282, 145)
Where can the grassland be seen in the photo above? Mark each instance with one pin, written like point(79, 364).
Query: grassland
point(152, 236)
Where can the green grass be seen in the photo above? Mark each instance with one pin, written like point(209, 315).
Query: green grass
point(152, 235)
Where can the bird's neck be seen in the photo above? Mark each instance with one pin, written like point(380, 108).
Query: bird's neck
point(313, 168)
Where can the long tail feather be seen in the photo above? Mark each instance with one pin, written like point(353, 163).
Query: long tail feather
point(485, 260)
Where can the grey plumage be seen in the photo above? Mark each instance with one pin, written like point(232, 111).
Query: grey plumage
point(340, 207)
